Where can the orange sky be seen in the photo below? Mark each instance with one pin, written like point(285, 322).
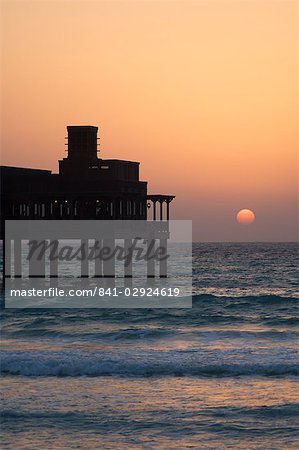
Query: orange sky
point(203, 93)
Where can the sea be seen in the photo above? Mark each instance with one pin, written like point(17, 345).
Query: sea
point(220, 375)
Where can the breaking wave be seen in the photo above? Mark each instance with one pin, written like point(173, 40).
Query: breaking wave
point(150, 363)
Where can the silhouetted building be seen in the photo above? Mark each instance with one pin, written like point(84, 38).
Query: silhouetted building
point(87, 187)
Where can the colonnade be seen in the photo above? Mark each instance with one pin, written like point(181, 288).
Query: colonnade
point(103, 267)
point(115, 209)
point(152, 207)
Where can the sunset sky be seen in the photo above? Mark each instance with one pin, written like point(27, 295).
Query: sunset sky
point(203, 93)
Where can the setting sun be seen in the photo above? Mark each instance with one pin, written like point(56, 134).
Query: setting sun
point(245, 216)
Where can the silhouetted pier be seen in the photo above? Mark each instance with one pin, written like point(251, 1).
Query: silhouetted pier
point(86, 187)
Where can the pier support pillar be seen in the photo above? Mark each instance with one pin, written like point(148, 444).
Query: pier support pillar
point(108, 258)
point(150, 259)
point(84, 260)
point(163, 261)
point(128, 266)
point(98, 266)
point(7, 258)
point(37, 259)
point(54, 259)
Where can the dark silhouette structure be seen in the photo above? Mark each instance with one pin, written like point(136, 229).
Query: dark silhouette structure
point(86, 187)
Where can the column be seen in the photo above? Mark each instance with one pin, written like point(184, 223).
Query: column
point(150, 259)
point(154, 206)
point(98, 266)
point(37, 259)
point(167, 209)
point(161, 209)
point(163, 260)
point(128, 269)
point(17, 258)
point(109, 258)
point(53, 258)
point(84, 258)
point(6, 258)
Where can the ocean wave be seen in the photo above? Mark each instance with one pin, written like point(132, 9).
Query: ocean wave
point(21, 415)
point(153, 333)
point(247, 299)
point(209, 306)
point(284, 410)
point(191, 362)
point(271, 411)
